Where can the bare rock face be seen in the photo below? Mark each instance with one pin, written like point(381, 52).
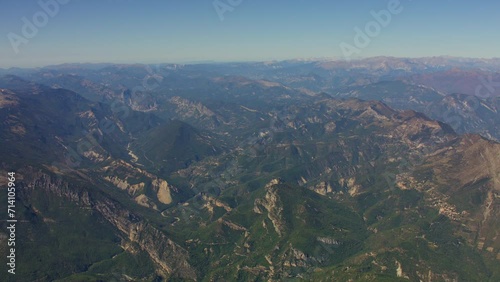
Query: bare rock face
point(125, 185)
point(189, 109)
point(171, 259)
point(350, 186)
point(145, 201)
point(212, 202)
point(273, 205)
point(163, 189)
point(322, 188)
point(131, 179)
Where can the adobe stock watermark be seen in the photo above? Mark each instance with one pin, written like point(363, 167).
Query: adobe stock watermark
point(372, 29)
point(487, 88)
point(30, 27)
point(223, 6)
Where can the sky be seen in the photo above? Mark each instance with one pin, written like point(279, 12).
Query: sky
point(182, 31)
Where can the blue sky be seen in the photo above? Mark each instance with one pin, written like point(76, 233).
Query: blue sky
point(153, 31)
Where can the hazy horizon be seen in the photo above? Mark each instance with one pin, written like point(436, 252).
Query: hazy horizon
point(52, 32)
point(244, 62)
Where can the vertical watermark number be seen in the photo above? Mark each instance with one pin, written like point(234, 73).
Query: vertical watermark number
point(11, 222)
point(222, 7)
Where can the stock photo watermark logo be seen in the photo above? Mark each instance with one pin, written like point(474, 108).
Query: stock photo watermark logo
point(372, 29)
point(48, 9)
point(487, 88)
point(223, 6)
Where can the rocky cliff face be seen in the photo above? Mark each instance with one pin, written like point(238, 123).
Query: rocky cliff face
point(171, 259)
point(273, 205)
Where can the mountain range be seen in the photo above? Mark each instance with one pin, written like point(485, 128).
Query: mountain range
point(383, 169)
